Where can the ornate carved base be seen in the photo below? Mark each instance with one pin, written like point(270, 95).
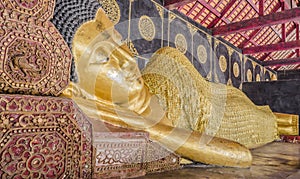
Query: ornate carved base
point(130, 154)
point(119, 154)
point(43, 137)
point(159, 159)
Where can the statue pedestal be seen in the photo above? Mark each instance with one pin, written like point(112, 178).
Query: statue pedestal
point(126, 153)
point(50, 137)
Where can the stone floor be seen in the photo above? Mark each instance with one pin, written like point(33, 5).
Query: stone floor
point(272, 161)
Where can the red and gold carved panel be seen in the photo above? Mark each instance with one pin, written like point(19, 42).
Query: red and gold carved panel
point(34, 58)
point(44, 137)
point(39, 9)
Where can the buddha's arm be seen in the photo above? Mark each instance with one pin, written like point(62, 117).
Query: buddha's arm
point(189, 144)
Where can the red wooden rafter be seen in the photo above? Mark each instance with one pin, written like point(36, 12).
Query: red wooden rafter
point(259, 22)
point(272, 47)
point(256, 24)
point(173, 4)
point(225, 10)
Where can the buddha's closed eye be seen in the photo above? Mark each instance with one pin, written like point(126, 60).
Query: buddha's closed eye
point(99, 55)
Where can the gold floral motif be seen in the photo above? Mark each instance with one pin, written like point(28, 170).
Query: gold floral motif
point(202, 54)
point(249, 75)
point(180, 43)
point(236, 69)
point(223, 63)
point(146, 28)
point(112, 10)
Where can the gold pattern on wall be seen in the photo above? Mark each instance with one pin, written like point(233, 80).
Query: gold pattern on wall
point(112, 10)
point(257, 78)
point(249, 75)
point(146, 28)
point(171, 16)
point(192, 28)
point(180, 43)
point(273, 77)
point(223, 63)
point(202, 54)
point(160, 10)
point(132, 48)
point(236, 69)
point(230, 50)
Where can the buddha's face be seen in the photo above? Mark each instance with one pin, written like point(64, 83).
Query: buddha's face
point(105, 67)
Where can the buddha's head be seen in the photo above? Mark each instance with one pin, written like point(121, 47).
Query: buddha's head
point(106, 67)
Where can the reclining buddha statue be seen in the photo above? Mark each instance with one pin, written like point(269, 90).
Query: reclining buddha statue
point(199, 120)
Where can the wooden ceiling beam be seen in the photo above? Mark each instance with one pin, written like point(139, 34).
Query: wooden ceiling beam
point(272, 47)
point(173, 4)
point(282, 62)
point(261, 7)
point(192, 9)
point(251, 3)
point(210, 8)
point(259, 22)
point(225, 10)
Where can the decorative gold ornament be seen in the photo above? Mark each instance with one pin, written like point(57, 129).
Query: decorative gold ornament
point(229, 82)
point(257, 78)
point(273, 77)
point(34, 57)
point(39, 9)
point(209, 76)
point(44, 137)
point(236, 69)
point(202, 54)
point(209, 39)
point(223, 63)
point(172, 16)
point(112, 10)
point(160, 9)
point(146, 28)
point(132, 48)
point(192, 28)
point(230, 50)
point(180, 43)
point(249, 75)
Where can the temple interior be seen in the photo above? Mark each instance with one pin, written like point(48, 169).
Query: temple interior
point(149, 89)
